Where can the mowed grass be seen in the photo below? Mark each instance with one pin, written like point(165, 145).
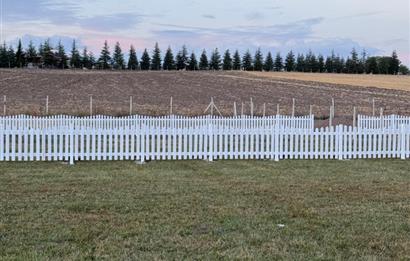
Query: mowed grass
point(198, 210)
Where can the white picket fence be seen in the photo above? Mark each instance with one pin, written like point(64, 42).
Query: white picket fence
point(388, 121)
point(181, 138)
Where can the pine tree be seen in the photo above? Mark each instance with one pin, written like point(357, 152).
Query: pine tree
point(372, 66)
point(132, 59)
point(290, 62)
point(31, 52)
point(11, 56)
point(41, 50)
point(215, 62)
point(3, 56)
point(268, 65)
point(169, 62)
point(203, 61)
point(92, 60)
point(321, 63)
point(278, 62)
point(182, 59)
point(193, 63)
point(300, 63)
point(236, 61)
point(62, 57)
point(145, 61)
point(352, 63)
point(247, 61)
point(118, 58)
point(258, 60)
point(48, 55)
point(227, 62)
point(156, 58)
point(394, 64)
point(85, 59)
point(104, 62)
point(20, 56)
point(75, 61)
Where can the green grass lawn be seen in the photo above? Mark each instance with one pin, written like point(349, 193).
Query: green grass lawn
point(357, 209)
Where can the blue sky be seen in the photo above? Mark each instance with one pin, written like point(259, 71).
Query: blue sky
point(379, 26)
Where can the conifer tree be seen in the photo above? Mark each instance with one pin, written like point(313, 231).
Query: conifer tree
point(62, 57)
point(182, 59)
point(31, 51)
point(11, 55)
point(290, 62)
point(193, 63)
point(145, 61)
point(236, 65)
point(41, 51)
point(394, 64)
point(300, 63)
point(75, 61)
point(3, 56)
point(48, 55)
point(247, 61)
point(203, 61)
point(268, 65)
point(169, 62)
point(104, 62)
point(118, 58)
point(85, 59)
point(278, 62)
point(215, 62)
point(92, 60)
point(20, 56)
point(132, 59)
point(156, 58)
point(227, 62)
point(321, 63)
point(258, 60)
point(372, 66)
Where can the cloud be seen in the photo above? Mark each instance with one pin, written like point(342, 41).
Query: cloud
point(358, 15)
point(209, 16)
point(254, 16)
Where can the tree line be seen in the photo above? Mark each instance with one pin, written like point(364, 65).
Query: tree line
point(46, 56)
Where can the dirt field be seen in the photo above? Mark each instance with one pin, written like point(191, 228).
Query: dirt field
point(70, 91)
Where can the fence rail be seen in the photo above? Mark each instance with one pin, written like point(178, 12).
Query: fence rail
point(178, 138)
point(388, 121)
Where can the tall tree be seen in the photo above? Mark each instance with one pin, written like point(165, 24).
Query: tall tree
point(75, 61)
point(3, 56)
point(372, 66)
point(227, 61)
point(48, 55)
point(182, 59)
point(20, 56)
point(11, 57)
point(193, 63)
point(321, 63)
point(62, 57)
point(215, 62)
point(203, 61)
point(237, 64)
point(145, 61)
point(300, 63)
point(290, 62)
point(132, 59)
point(247, 61)
point(105, 59)
point(169, 62)
point(352, 63)
point(258, 60)
point(268, 65)
point(156, 58)
point(278, 62)
point(85, 59)
point(31, 52)
point(118, 58)
point(394, 64)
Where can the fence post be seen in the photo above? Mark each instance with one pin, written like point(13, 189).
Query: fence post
point(402, 142)
point(71, 137)
point(47, 105)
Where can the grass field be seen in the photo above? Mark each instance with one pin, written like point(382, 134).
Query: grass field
point(198, 210)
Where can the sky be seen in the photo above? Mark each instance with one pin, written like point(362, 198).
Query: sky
point(379, 26)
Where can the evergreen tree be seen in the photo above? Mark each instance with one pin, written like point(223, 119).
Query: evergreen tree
point(145, 61)
point(92, 60)
point(132, 59)
point(311, 64)
point(300, 63)
point(362, 62)
point(11, 56)
point(193, 63)
point(48, 55)
point(394, 64)
point(85, 59)
point(182, 59)
point(31, 52)
point(62, 57)
point(227, 62)
point(269, 64)
point(290, 62)
point(169, 62)
point(236, 65)
point(41, 51)
point(203, 61)
point(118, 58)
point(258, 60)
point(75, 61)
point(278, 63)
point(3, 56)
point(247, 61)
point(403, 69)
point(215, 62)
point(352, 63)
point(156, 58)
point(372, 66)
point(20, 56)
point(321, 63)
point(384, 64)
point(104, 62)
